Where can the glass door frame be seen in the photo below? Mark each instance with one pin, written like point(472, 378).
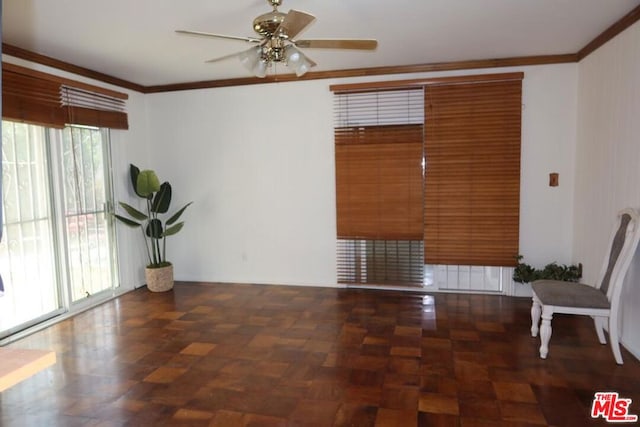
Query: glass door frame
point(53, 153)
point(62, 240)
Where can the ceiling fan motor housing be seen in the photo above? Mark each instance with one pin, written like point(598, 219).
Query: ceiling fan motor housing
point(267, 24)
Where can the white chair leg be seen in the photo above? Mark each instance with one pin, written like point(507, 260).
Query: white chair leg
point(614, 338)
point(535, 316)
point(545, 331)
point(599, 324)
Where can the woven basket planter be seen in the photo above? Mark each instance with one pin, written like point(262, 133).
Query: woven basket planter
point(159, 279)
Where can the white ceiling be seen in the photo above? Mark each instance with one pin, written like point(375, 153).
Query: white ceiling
point(134, 40)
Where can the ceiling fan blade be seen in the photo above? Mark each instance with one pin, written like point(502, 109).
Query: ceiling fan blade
point(311, 62)
point(294, 23)
point(364, 44)
point(222, 58)
point(219, 36)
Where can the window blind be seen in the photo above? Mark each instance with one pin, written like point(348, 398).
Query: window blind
point(84, 107)
point(379, 189)
point(31, 99)
point(472, 183)
point(35, 97)
point(378, 143)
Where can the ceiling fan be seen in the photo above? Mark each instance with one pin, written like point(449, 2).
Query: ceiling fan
point(277, 42)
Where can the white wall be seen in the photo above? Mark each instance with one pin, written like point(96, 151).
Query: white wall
point(130, 146)
point(258, 162)
point(608, 161)
point(548, 145)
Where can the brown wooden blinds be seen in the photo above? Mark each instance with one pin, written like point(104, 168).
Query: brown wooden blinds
point(378, 151)
point(472, 184)
point(40, 98)
point(30, 99)
point(379, 182)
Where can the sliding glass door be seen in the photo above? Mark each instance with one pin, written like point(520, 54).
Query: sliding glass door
point(58, 246)
point(27, 251)
point(88, 234)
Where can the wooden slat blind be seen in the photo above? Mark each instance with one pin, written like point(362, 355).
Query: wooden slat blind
point(472, 184)
point(30, 99)
point(380, 262)
point(379, 182)
point(93, 109)
point(40, 98)
point(379, 143)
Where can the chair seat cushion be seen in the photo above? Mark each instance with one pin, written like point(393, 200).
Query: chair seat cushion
point(569, 294)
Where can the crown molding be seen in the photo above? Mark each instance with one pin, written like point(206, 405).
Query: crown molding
point(367, 72)
point(622, 24)
point(28, 55)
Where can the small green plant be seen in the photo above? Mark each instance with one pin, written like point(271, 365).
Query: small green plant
point(525, 273)
point(158, 200)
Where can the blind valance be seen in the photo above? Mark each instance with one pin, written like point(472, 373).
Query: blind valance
point(44, 99)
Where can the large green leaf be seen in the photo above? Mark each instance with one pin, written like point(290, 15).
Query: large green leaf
point(175, 216)
point(147, 183)
point(174, 229)
point(134, 171)
point(154, 229)
point(127, 221)
point(162, 199)
point(135, 213)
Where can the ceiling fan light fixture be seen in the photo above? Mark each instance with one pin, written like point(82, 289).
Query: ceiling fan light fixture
point(302, 68)
point(293, 55)
point(250, 57)
point(297, 61)
point(254, 60)
point(260, 70)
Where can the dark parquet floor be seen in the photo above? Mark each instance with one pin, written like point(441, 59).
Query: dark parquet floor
point(251, 355)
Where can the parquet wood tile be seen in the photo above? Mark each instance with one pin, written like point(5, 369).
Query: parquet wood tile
point(249, 355)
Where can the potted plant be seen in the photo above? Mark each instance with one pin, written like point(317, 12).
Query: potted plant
point(159, 272)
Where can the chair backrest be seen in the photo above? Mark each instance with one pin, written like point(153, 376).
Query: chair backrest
point(624, 241)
